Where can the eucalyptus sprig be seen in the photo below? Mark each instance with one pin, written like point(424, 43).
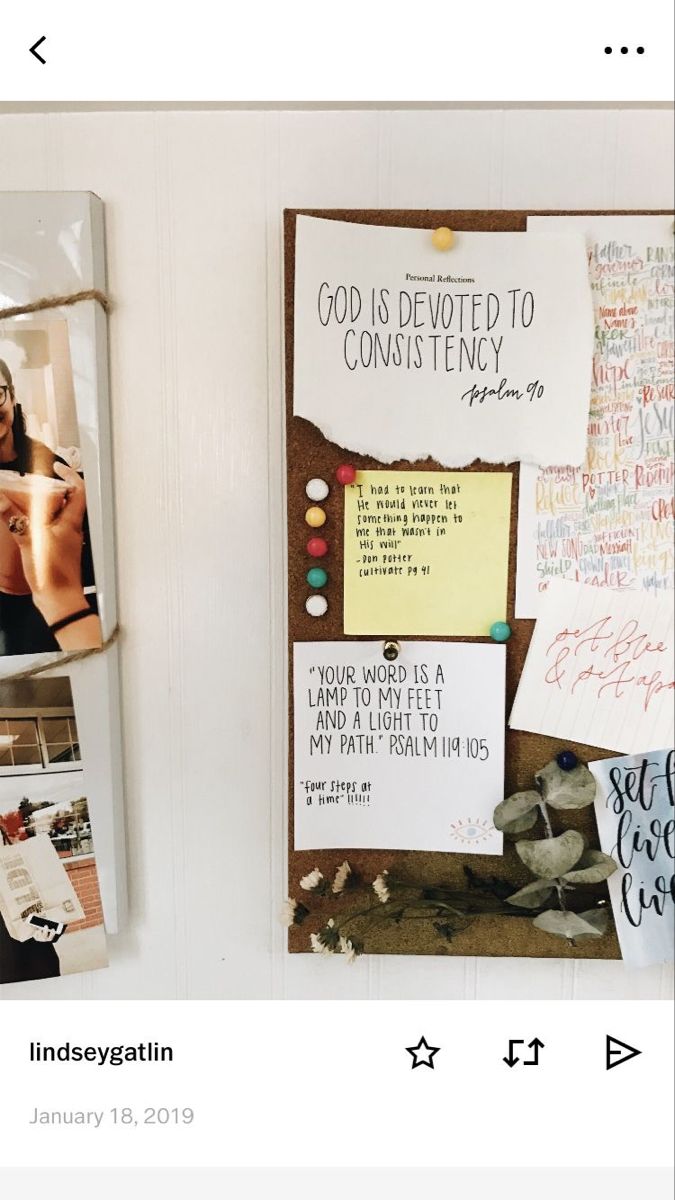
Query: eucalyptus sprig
point(560, 863)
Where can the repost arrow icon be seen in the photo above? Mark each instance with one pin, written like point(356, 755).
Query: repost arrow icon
point(34, 50)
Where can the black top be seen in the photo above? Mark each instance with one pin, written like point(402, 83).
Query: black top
point(23, 630)
point(37, 458)
point(21, 961)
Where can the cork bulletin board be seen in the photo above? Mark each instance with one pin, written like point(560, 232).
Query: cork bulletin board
point(310, 454)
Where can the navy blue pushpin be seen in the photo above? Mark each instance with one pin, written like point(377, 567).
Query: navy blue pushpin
point(567, 760)
point(500, 631)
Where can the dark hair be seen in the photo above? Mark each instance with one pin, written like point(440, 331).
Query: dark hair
point(21, 441)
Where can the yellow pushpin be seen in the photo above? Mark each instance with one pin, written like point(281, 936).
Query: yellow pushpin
point(443, 238)
point(315, 517)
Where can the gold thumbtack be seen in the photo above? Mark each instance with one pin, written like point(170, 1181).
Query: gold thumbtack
point(391, 651)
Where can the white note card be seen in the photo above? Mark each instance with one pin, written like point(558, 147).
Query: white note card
point(634, 810)
point(599, 669)
point(404, 755)
point(403, 351)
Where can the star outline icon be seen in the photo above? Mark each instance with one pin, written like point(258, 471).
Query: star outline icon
point(423, 1054)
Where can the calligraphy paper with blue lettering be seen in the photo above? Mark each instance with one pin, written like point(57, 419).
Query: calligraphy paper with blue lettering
point(634, 811)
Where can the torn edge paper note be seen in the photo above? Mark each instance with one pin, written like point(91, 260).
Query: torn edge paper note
point(402, 352)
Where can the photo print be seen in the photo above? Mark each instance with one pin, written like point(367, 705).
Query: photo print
point(47, 589)
point(51, 919)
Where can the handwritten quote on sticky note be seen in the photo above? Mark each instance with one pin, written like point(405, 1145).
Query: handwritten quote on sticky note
point(426, 552)
point(599, 669)
point(405, 755)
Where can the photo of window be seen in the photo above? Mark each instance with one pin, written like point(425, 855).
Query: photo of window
point(51, 918)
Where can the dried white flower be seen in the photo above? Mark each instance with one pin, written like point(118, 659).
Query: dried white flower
point(318, 946)
point(312, 881)
point(341, 876)
point(348, 949)
point(380, 887)
point(288, 912)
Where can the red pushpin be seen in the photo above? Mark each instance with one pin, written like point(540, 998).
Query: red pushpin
point(345, 474)
point(317, 547)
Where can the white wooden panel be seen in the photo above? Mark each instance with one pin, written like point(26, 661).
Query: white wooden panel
point(402, 978)
point(436, 163)
point(643, 158)
point(609, 981)
point(193, 208)
point(216, 450)
point(558, 159)
point(328, 159)
point(523, 979)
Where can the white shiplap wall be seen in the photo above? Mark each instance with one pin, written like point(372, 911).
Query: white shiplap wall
point(194, 208)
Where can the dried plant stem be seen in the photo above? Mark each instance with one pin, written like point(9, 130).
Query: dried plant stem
point(549, 833)
point(547, 820)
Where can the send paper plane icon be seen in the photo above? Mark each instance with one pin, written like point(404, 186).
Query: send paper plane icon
point(618, 1052)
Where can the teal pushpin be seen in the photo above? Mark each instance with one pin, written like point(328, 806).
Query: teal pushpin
point(500, 631)
point(317, 577)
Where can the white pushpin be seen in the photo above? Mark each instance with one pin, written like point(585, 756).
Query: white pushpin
point(317, 489)
point(316, 605)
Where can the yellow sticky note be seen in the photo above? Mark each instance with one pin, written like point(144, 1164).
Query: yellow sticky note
point(426, 552)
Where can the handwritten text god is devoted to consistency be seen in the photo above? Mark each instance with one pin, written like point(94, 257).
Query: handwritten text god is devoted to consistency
point(400, 361)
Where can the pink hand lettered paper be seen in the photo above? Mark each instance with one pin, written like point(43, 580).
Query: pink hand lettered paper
point(600, 669)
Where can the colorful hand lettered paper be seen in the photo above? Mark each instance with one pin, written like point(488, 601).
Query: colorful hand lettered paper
point(426, 552)
point(404, 755)
point(599, 669)
point(611, 521)
point(402, 352)
point(634, 810)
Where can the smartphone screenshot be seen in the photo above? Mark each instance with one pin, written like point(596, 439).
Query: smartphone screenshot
point(337, 577)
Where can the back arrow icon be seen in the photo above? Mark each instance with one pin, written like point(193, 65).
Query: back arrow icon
point(34, 50)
